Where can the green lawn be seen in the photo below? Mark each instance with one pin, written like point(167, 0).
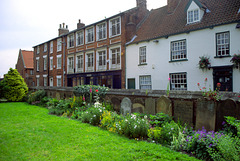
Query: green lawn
point(28, 133)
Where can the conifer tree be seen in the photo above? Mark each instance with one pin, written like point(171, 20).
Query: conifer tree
point(13, 86)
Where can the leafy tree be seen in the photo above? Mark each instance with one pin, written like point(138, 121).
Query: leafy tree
point(13, 86)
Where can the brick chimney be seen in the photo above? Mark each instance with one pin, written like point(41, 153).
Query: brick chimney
point(79, 24)
point(172, 4)
point(62, 29)
point(142, 3)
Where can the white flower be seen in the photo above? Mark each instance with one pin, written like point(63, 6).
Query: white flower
point(145, 117)
point(94, 115)
point(171, 128)
point(135, 126)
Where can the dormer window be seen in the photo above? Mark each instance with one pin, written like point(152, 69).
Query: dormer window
point(193, 16)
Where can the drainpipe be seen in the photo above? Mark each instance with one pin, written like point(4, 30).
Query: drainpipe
point(64, 45)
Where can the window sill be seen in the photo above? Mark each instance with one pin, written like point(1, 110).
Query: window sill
point(227, 56)
point(172, 61)
point(142, 64)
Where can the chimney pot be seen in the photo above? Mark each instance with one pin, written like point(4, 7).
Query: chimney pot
point(63, 25)
point(66, 26)
point(60, 26)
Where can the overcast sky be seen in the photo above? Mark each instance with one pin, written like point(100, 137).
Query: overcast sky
point(26, 23)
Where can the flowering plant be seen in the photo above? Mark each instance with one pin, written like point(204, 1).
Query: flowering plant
point(236, 59)
point(204, 62)
point(210, 94)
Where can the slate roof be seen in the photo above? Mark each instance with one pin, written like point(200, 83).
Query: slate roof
point(27, 58)
point(161, 24)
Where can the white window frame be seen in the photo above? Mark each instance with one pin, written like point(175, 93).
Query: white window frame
point(143, 55)
point(59, 61)
point(51, 47)
point(223, 44)
point(59, 44)
point(79, 62)
point(145, 82)
point(38, 49)
point(44, 62)
point(37, 80)
point(37, 63)
point(51, 82)
point(70, 64)
point(89, 59)
point(114, 23)
point(80, 38)
point(59, 80)
point(193, 16)
point(45, 80)
point(90, 34)
point(102, 60)
point(45, 47)
point(178, 81)
point(115, 57)
point(179, 50)
point(102, 31)
point(70, 40)
point(51, 63)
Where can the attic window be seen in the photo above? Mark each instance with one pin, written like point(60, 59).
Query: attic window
point(193, 16)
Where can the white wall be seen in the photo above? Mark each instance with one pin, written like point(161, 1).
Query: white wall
point(198, 43)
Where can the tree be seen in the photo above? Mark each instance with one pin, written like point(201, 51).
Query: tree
point(13, 86)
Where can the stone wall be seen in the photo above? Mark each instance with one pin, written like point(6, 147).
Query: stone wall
point(185, 106)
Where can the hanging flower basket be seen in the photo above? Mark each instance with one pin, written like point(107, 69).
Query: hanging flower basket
point(236, 60)
point(204, 62)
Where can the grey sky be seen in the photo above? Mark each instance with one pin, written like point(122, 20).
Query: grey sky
point(25, 23)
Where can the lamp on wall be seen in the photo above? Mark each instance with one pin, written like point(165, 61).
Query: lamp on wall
point(156, 41)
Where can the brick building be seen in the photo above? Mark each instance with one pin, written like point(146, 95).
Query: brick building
point(92, 54)
point(25, 66)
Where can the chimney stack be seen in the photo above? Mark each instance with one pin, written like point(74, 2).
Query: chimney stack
point(172, 4)
point(142, 4)
point(62, 30)
point(79, 24)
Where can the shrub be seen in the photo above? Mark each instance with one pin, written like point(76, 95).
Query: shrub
point(154, 134)
point(111, 121)
point(232, 127)
point(169, 129)
point(36, 97)
point(13, 86)
point(92, 115)
point(134, 127)
point(90, 92)
point(227, 148)
point(199, 143)
point(159, 119)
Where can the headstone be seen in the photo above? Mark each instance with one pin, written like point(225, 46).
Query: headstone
point(58, 96)
point(116, 104)
point(126, 105)
point(138, 108)
point(139, 100)
point(226, 108)
point(205, 114)
point(183, 111)
point(164, 105)
point(150, 106)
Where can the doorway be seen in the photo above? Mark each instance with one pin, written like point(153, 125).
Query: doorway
point(223, 75)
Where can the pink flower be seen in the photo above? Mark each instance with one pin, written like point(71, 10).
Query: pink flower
point(198, 84)
point(205, 79)
point(239, 96)
point(169, 79)
point(96, 90)
point(218, 84)
point(90, 90)
point(83, 98)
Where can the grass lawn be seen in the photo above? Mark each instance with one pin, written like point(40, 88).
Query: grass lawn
point(28, 133)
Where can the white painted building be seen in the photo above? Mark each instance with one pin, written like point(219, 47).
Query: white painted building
point(171, 40)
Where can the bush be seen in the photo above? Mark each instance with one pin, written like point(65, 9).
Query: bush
point(154, 134)
point(13, 86)
point(36, 97)
point(91, 93)
point(111, 121)
point(92, 115)
point(227, 148)
point(159, 119)
point(134, 127)
point(232, 127)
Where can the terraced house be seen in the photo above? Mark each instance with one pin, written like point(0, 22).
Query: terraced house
point(171, 41)
point(92, 54)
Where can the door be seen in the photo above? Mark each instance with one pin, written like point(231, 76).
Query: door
point(223, 75)
point(131, 83)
